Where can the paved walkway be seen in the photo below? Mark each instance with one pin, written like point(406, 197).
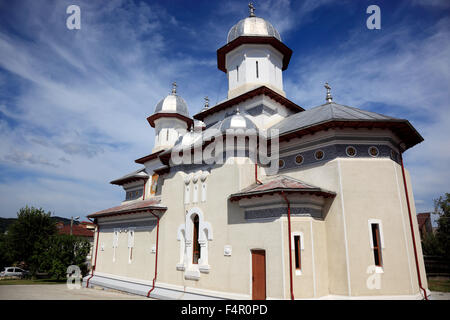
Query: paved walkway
point(440, 295)
point(60, 292)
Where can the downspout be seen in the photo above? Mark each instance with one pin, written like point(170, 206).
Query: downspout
point(412, 230)
point(95, 259)
point(290, 246)
point(256, 174)
point(156, 257)
point(143, 191)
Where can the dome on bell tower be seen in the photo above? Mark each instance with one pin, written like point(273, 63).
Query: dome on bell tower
point(252, 26)
point(173, 103)
point(253, 56)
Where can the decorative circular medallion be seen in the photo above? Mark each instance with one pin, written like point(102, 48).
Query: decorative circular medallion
point(373, 151)
point(299, 159)
point(319, 155)
point(350, 151)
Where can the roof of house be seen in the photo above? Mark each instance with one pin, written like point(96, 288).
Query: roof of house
point(279, 184)
point(77, 230)
point(422, 218)
point(332, 114)
point(132, 207)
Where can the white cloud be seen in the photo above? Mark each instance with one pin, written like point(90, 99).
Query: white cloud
point(79, 117)
point(399, 68)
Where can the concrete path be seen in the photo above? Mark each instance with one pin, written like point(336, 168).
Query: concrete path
point(440, 295)
point(61, 292)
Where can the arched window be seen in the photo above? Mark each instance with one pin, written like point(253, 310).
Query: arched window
point(195, 243)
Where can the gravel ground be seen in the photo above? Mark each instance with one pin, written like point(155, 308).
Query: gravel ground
point(61, 292)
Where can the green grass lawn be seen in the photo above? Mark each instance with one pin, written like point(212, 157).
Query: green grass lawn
point(439, 284)
point(31, 281)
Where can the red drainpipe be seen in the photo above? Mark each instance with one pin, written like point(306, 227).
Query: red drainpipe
point(143, 192)
point(95, 260)
point(256, 174)
point(412, 230)
point(156, 258)
point(290, 246)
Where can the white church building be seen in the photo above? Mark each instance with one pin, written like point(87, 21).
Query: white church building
point(257, 198)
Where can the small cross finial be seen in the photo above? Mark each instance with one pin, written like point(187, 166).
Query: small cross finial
point(329, 98)
point(252, 9)
point(174, 87)
point(206, 103)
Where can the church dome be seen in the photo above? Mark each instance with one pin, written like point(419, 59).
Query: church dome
point(252, 26)
point(173, 103)
point(237, 121)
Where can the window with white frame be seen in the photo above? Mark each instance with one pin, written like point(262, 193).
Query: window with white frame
point(187, 189)
point(130, 244)
point(194, 234)
point(203, 177)
point(115, 243)
point(297, 248)
point(376, 241)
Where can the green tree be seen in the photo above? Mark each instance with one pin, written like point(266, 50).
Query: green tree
point(431, 245)
point(5, 257)
point(442, 209)
point(60, 251)
point(32, 227)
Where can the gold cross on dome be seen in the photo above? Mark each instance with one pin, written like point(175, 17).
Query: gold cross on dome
point(174, 87)
point(329, 98)
point(252, 9)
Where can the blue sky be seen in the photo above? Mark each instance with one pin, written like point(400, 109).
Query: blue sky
point(73, 103)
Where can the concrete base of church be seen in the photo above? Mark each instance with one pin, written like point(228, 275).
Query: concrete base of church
point(170, 292)
point(141, 287)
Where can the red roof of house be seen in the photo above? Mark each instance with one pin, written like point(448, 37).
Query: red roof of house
point(133, 207)
point(422, 218)
point(77, 230)
point(280, 184)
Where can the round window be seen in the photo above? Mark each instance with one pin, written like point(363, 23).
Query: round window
point(280, 163)
point(393, 155)
point(319, 154)
point(299, 159)
point(350, 151)
point(373, 151)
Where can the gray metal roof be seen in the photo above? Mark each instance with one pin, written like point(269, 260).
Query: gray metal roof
point(327, 112)
point(234, 121)
point(252, 26)
point(138, 174)
point(237, 121)
point(172, 104)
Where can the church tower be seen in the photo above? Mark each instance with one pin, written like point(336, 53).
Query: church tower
point(253, 56)
point(170, 120)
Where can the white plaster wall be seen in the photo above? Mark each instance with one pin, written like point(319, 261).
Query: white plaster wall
point(174, 127)
point(244, 58)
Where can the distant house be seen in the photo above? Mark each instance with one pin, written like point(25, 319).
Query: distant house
point(84, 229)
point(425, 227)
